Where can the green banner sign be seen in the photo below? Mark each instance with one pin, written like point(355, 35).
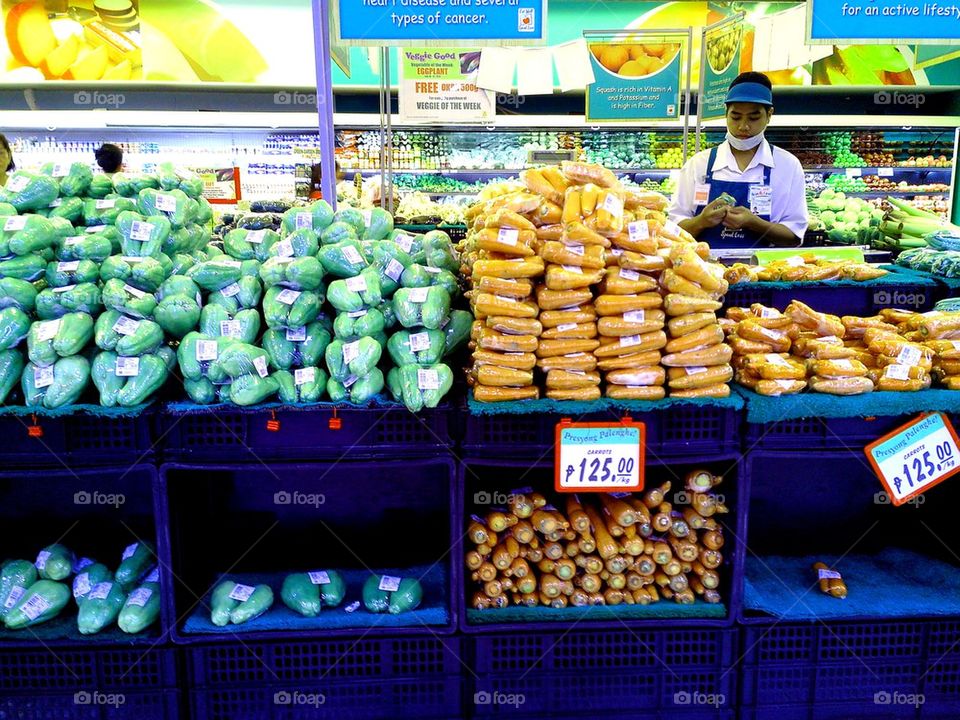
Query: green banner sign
point(634, 82)
point(720, 65)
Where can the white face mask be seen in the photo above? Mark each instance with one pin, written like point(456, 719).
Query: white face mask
point(748, 144)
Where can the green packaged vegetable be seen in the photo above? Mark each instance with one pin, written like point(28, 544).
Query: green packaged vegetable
point(288, 308)
point(243, 325)
point(424, 386)
point(375, 598)
point(57, 302)
point(11, 370)
point(178, 314)
point(27, 191)
point(143, 273)
point(100, 186)
point(202, 391)
point(61, 274)
point(130, 184)
point(260, 600)
point(457, 330)
point(118, 295)
point(416, 347)
point(141, 609)
point(74, 178)
point(142, 235)
point(173, 205)
point(300, 273)
point(89, 575)
point(428, 307)
point(103, 372)
point(252, 389)
point(28, 267)
point(296, 347)
point(54, 562)
point(25, 234)
point(245, 244)
point(351, 326)
point(302, 385)
point(356, 358)
point(145, 376)
point(100, 607)
point(338, 232)
point(356, 293)
point(105, 211)
point(95, 247)
point(41, 602)
point(357, 390)
point(316, 217)
point(18, 294)
point(14, 327)
point(137, 560)
point(216, 274)
point(56, 385)
point(406, 597)
point(300, 243)
point(15, 577)
point(70, 209)
point(65, 336)
point(344, 259)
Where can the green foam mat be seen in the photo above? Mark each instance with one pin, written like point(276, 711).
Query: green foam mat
point(893, 279)
point(665, 609)
point(762, 409)
point(575, 407)
point(63, 628)
point(185, 407)
point(951, 283)
point(892, 583)
point(434, 610)
point(69, 410)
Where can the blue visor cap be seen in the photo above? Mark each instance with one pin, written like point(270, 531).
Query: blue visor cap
point(749, 92)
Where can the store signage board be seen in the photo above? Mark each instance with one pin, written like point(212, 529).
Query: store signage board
point(550, 157)
point(379, 23)
point(619, 96)
point(599, 457)
point(220, 185)
point(720, 65)
point(915, 457)
point(882, 22)
point(955, 181)
point(438, 85)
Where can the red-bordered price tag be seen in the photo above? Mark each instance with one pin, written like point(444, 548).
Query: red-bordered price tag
point(915, 457)
point(599, 457)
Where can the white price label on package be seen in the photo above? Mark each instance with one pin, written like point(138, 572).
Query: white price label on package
point(35, 606)
point(828, 575)
point(565, 327)
point(909, 355)
point(230, 329)
point(137, 293)
point(635, 316)
point(356, 284)
point(897, 372)
point(284, 249)
point(129, 551)
point(357, 313)
point(288, 296)
point(68, 266)
point(420, 341)
point(56, 203)
point(303, 221)
point(100, 591)
point(75, 239)
point(577, 249)
point(351, 351)
point(613, 204)
point(81, 586)
point(63, 289)
point(43, 376)
point(140, 597)
point(260, 365)
point(599, 456)
point(42, 558)
point(915, 457)
point(352, 255)
point(297, 334)
point(125, 325)
point(428, 379)
point(206, 350)
point(394, 269)
point(140, 231)
point(241, 593)
point(350, 381)
point(367, 217)
point(105, 204)
point(632, 275)
point(389, 583)
point(47, 330)
point(319, 577)
point(17, 183)
point(61, 170)
point(230, 290)
point(128, 366)
point(638, 230)
point(630, 340)
point(404, 242)
point(508, 236)
point(418, 295)
point(166, 203)
point(302, 376)
point(14, 223)
point(16, 592)
point(695, 369)
point(255, 237)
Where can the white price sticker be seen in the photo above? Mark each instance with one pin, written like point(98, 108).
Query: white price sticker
point(772, 334)
point(404, 242)
point(230, 329)
point(828, 575)
point(635, 316)
point(616, 252)
point(389, 583)
point(206, 350)
point(775, 359)
point(137, 293)
point(284, 248)
point(352, 255)
point(565, 327)
point(68, 266)
point(14, 223)
point(260, 365)
point(433, 270)
point(100, 591)
point(508, 236)
point(154, 575)
point(125, 325)
point(82, 564)
point(394, 269)
point(632, 275)
point(255, 237)
point(577, 249)
point(166, 203)
point(105, 204)
point(230, 290)
point(695, 369)
point(897, 372)
point(17, 183)
point(241, 593)
point(505, 299)
point(35, 606)
point(356, 313)
point(672, 228)
point(795, 261)
point(854, 172)
point(288, 296)
point(319, 577)
point(56, 203)
point(367, 217)
point(357, 284)
point(74, 239)
point(42, 558)
point(599, 458)
point(140, 597)
point(418, 295)
point(428, 379)
point(909, 355)
point(297, 334)
point(61, 170)
point(63, 289)
point(420, 341)
point(129, 551)
point(302, 376)
point(302, 221)
point(43, 376)
point(613, 204)
point(350, 381)
point(630, 340)
point(47, 330)
point(140, 231)
point(16, 592)
point(128, 366)
point(765, 312)
point(351, 351)
point(81, 586)
point(915, 457)
point(885, 172)
point(573, 269)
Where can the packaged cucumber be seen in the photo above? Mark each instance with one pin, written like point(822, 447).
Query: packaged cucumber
point(387, 593)
point(89, 577)
point(15, 577)
point(141, 609)
point(237, 603)
point(100, 607)
point(136, 562)
point(42, 601)
point(54, 562)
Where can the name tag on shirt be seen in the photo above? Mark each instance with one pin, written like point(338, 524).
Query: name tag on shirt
point(760, 200)
point(701, 194)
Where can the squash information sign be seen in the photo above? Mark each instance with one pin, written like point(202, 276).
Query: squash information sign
point(915, 457)
point(599, 457)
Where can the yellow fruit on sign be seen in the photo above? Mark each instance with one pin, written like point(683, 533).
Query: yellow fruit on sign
point(634, 68)
point(613, 57)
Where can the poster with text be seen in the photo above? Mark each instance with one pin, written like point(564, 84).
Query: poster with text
point(438, 85)
point(634, 81)
point(722, 66)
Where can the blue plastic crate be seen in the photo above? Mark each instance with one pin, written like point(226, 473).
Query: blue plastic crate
point(827, 711)
point(435, 697)
point(93, 705)
point(368, 659)
point(819, 433)
point(76, 669)
point(249, 435)
point(76, 440)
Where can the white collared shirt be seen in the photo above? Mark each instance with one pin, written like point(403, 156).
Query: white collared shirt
point(788, 198)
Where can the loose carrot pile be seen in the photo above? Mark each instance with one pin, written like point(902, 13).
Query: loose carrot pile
point(600, 549)
point(783, 353)
point(580, 279)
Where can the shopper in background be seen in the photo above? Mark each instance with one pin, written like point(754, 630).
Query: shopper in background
point(744, 192)
point(109, 158)
point(6, 160)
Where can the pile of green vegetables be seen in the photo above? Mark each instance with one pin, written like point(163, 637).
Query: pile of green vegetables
point(940, 255)
point(906, 227)
point(33, 593)
point(848, 221)
point(112, 283)
point(306, 593)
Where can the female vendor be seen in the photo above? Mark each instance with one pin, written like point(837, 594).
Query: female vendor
point(744, 193)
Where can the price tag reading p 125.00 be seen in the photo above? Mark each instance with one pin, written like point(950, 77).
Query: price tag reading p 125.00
point(599, 456)
point(915, 457)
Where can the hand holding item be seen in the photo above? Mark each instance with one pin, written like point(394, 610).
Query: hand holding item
point(739, 218)
point(714, 213)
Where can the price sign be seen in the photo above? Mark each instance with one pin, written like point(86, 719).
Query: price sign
point(599, 457)
point(915, 457)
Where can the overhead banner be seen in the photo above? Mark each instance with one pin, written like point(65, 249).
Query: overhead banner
point(634, 81)
point(405, 23)
point(895, 22)
point(438, 85)
point(720, 65)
